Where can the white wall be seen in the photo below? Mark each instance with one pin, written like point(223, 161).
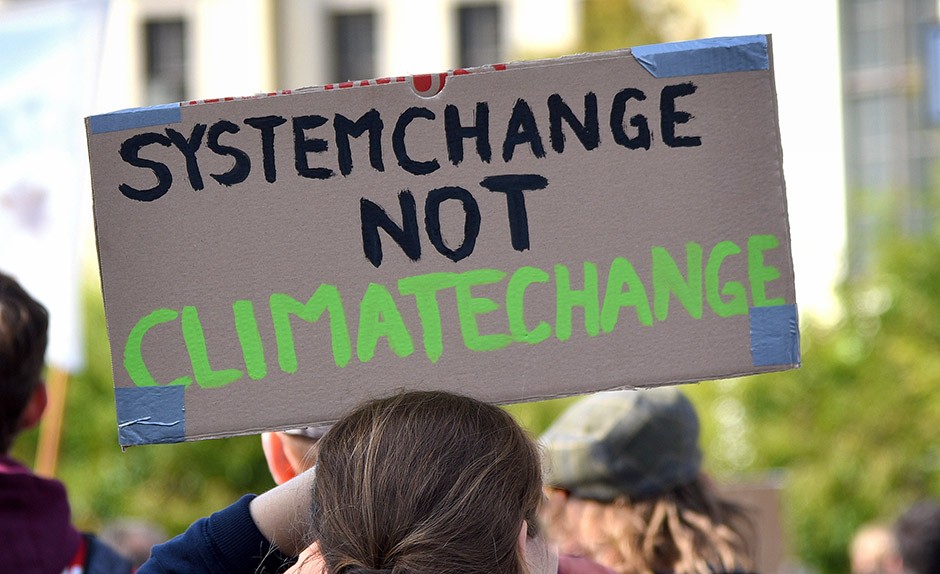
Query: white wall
point(229, 44)
point(807, 70)
point(544, 27)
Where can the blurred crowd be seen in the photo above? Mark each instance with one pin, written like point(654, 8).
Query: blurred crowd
point(910, 545)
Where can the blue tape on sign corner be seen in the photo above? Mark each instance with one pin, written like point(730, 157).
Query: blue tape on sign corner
point(136, 118)
point(698, 57)
point(150, 415)
point(775, 336)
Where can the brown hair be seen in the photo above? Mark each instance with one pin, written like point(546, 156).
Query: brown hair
point(23, 326)
point(425, 482)
point(686, 530)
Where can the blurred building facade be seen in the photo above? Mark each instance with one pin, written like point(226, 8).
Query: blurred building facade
point(891, 140)
point(159, 51)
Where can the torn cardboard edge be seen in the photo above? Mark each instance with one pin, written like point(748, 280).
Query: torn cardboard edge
point(674, 59)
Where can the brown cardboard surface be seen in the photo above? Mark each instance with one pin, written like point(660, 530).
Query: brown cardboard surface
point(198, 252)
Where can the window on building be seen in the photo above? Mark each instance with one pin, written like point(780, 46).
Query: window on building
point(870, 36)
point(353, 46)
point(478, 35)
point(917, 14)
point(875, 119)
point(166, 57)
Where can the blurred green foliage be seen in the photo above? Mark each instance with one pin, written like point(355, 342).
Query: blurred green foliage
point(854, 431)
point(864, 443)
point(613, 24)
point(852, 434)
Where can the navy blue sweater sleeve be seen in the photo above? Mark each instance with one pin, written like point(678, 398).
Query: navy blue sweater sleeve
point(227, 542)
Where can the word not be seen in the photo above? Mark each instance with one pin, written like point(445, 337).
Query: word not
point(698, 286)
point(374, 217)
point(224, 138)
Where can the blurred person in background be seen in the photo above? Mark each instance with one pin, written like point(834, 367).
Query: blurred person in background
point(874, 551)
point(918, 536)
point(625, 488)
point(35, 519)
point(133, 538)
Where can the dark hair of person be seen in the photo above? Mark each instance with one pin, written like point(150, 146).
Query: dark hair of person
point(23, 337)
point(918, 538)
point(426, 482)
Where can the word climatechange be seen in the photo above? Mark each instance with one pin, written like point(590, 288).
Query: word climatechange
point(699, 288)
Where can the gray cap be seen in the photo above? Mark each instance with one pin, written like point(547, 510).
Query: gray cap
point(638, 443)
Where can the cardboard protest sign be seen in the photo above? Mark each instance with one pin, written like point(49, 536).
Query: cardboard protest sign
point(509, 232)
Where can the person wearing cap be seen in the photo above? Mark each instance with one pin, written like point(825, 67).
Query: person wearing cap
point(625, 488)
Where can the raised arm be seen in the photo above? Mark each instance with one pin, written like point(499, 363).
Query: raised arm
point(257, 534)
point(282, 514)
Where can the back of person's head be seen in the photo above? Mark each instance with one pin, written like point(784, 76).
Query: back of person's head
point(626, 488)
point(133, 538)
point(918, 537)
point(23, 337)
point(426, 482)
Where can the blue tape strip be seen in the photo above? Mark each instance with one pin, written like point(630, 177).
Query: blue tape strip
point(711, 56)
point(150, 415)
point(136, 118)
point(775, 336)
